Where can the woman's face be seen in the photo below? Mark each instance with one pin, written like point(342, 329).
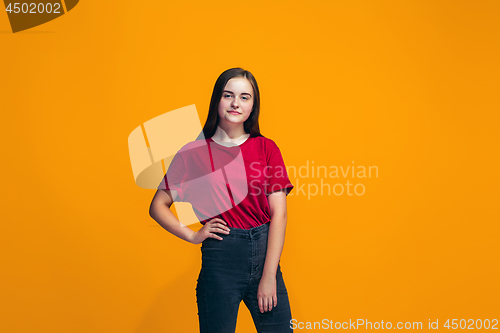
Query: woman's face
point(236, 102)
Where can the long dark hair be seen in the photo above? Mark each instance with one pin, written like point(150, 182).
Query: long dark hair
point(251, 125)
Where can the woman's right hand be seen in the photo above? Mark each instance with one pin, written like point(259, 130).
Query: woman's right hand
point(209, 230)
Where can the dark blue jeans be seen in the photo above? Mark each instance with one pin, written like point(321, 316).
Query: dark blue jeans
point(230, 273)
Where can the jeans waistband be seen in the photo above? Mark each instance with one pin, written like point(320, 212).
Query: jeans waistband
point(248, 233)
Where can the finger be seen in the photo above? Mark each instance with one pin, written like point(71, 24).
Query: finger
point(270, 304)
point(214, 228)
point(221, 223)
point(275, 299)
point(216, 236)
point(220, 228)
point(224, 230)
point(264, 301)
point(261, 305)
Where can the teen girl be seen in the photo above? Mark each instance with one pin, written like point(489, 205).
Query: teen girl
point(236, 181)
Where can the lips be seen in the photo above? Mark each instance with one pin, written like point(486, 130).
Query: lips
point(233, 112)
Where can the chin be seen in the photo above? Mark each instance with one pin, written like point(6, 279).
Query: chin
point(231, 121)
point(235, 122)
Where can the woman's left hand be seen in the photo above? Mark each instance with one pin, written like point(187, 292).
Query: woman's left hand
point(266, 294)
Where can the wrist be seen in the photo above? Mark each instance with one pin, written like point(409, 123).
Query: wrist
point(268, 276)
point(191, 236)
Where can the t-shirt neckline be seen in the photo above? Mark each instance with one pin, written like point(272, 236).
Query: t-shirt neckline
point(241, 144)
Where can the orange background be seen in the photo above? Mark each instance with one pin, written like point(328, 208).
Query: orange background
point(409, 87)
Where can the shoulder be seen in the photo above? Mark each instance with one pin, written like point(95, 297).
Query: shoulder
point(189, 150)
point(268, 143)
point(192, 145)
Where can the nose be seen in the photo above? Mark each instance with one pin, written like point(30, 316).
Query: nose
point(234, 102)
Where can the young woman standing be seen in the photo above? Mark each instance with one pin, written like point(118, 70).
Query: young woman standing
point(236, 180)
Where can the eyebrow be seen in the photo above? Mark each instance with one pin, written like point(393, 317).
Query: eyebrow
point(233, 93)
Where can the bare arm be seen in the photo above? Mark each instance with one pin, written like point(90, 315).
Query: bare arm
point(276, 237)
point(160, 211)
point(267, 287)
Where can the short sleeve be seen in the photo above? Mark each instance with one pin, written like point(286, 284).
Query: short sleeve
point(175, 178)
point(275, 173)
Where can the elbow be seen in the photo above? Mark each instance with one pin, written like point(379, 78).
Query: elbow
point(152, 209)
point(160, 202)
point(281, 217)
point(157, 206)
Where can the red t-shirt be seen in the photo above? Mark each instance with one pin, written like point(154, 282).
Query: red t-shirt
point(231, 183)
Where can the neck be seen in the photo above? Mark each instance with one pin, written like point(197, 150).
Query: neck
point(229, 133)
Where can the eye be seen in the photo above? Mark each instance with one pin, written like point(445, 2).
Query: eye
point(227, 95)
point(245, 97)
